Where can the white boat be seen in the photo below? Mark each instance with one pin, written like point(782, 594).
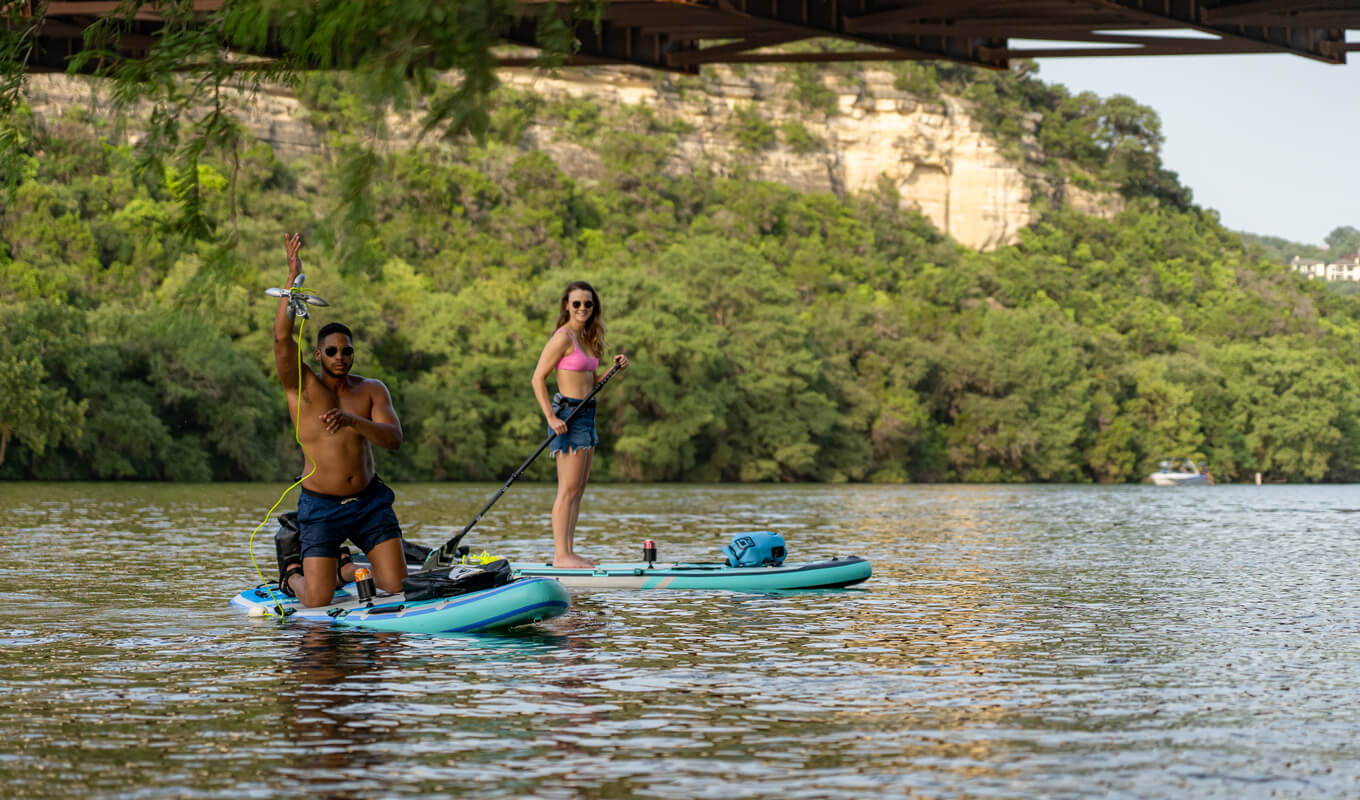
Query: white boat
point(1181, 472)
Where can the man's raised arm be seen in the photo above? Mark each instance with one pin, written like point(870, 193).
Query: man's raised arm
point(285, 349)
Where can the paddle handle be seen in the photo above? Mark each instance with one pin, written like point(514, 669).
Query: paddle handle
point(443, 555)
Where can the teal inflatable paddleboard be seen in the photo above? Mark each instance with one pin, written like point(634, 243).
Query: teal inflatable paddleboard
point(519, 602)
point(833, 574)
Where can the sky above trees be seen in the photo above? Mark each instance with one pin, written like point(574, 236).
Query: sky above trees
point(1266, 140)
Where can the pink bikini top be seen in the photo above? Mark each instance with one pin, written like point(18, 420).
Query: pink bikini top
point(577, 360)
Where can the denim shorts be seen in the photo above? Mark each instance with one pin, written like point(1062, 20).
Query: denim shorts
point(580, 433)
point(326, 521)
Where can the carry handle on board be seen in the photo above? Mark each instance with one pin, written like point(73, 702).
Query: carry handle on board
point(444, 555)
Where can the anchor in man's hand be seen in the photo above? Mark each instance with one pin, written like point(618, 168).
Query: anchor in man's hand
point(298, 300)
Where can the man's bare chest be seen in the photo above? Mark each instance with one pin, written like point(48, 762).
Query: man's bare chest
point(356, 402)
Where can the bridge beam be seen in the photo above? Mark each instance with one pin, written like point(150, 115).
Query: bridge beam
point(681, 35)
point(1319, 43)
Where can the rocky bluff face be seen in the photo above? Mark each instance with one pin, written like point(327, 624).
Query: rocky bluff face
point(933, 151)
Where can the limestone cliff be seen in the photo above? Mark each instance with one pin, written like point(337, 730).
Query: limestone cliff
point(933, 151)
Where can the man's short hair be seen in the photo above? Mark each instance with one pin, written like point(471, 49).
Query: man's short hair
point(332, 327)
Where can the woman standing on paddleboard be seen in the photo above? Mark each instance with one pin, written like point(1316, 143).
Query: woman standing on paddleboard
point(574, 352)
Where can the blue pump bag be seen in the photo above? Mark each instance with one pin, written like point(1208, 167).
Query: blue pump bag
point(755, 549)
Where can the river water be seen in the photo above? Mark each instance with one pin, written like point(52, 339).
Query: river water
point(1017, 641)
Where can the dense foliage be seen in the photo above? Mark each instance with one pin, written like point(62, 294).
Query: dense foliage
point(774, 335)
point(437, 57)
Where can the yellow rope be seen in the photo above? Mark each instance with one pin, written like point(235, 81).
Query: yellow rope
point(479, 559)
point(297, 423)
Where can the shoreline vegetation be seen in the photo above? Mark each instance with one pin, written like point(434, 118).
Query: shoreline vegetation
point(775, 336)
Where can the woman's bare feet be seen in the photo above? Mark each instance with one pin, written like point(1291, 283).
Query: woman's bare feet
point(572, 561)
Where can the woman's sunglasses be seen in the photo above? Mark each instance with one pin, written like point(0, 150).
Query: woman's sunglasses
point(577, 304)
point(344, 351)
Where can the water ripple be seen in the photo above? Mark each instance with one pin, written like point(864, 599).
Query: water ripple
point(1014, 642)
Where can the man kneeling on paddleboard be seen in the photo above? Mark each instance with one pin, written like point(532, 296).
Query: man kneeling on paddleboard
point(340, 416)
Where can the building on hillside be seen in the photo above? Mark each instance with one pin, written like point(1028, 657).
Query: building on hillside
point(1346, 268)
point(1309, 267)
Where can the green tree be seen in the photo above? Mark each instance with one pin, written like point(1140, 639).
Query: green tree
point(753, 132)
point(799, 139)
point(1163, 416)
point(1342, 241)
point(35, 409)
point(1022, 398)
point(1289, 404)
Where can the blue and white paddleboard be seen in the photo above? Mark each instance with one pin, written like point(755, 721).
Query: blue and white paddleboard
point(519, 602)
point(833, 574)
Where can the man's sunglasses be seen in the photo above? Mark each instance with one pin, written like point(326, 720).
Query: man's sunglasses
point(577, 304)
point(344, 351)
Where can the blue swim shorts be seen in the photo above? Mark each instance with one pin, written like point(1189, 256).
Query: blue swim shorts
point(325, 521)
point(580, 433)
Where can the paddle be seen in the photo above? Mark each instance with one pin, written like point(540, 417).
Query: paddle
point(444, 555)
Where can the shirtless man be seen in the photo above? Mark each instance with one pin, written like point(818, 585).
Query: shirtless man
point(342, 416)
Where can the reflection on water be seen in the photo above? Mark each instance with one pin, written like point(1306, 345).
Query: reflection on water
point(1014, 642)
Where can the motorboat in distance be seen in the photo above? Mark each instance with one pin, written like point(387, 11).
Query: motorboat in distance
point(1181, 472)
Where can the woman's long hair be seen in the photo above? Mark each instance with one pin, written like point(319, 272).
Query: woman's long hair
point(593, 335)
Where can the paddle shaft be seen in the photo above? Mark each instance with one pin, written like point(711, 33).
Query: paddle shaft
point(444, 554)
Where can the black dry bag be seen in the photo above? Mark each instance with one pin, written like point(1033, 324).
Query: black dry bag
point(452, 581)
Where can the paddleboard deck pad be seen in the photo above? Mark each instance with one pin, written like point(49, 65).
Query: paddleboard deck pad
point(519, 602)
point(833, 574)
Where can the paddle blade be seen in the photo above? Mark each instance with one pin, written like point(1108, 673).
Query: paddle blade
point(313, 300)
point(276, 292)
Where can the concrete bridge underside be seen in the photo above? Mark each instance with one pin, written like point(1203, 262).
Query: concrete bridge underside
point(682, 35)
